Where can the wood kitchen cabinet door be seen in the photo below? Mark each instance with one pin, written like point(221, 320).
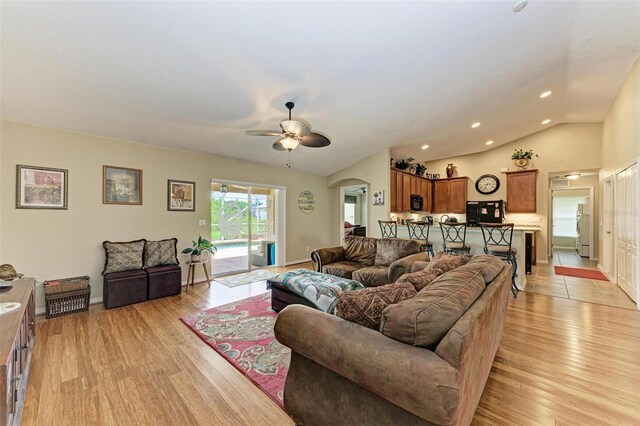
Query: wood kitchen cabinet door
point(521, 191)
point(406, 192)
point(458, 195)
point(440, 196)
point(425, 191)
point(392, 184)
point(415, 185)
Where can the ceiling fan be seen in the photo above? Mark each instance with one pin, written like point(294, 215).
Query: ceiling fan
point(293, 133)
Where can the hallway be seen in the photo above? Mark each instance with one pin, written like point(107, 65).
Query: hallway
point(543, 280)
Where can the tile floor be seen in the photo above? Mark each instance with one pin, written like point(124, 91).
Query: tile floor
point(543, 280)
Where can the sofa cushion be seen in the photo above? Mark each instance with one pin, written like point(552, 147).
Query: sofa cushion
point(440, 264)
point(365, 306)
point(372, 276)
point(360, 249)
point(488, 266)
point(424, 319)
point(391, 249)
point(163, 252)
point(341, 269)
point(123, 256)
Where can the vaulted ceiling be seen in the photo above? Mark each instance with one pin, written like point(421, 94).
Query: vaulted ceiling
point(196, 75)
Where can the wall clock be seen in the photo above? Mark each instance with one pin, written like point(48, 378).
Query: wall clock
point(487, 184)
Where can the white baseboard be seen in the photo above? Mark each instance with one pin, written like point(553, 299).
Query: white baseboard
point(606, 274)
point(294, 262)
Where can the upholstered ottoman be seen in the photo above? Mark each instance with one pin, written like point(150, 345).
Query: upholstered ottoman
point(124, 288)
point(163, 281)
point(310, 288)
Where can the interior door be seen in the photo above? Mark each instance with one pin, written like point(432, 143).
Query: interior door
point(626, 231)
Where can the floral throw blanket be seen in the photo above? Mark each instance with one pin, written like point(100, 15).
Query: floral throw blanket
point(320, 289)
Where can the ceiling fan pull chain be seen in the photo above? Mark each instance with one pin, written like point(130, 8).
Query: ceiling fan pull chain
point(289, 161)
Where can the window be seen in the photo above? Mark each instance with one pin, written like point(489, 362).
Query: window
point(564, 215)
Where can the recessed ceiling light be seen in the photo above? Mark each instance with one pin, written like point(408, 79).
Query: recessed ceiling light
point(519, 6)
point(547, 121)
point(476, 124)
point(425, 146)
point(545, 94)
point(488, 142)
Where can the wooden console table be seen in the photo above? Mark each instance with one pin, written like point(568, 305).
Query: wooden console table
point(17, 336)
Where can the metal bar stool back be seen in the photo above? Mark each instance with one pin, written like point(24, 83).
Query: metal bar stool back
point(497, 242)
point(420, 231)
point(388, 228)
point(454, 235)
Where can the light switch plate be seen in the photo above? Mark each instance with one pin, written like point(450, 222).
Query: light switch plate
point(202, 223)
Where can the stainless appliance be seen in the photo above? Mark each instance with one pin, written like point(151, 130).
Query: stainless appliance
point(416, 203)
point(485, 211)
point(583, 229)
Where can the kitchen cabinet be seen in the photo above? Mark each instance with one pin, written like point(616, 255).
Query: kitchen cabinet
point(403, 185)
point(522, 191)
point(450, 195)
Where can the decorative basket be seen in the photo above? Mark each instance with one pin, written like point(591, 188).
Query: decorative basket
point(65, 284)
point(66, 296)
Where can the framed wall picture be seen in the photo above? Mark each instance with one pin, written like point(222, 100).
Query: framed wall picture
point(41, 188)
point(378, 197)
point(121, 185)
point(181, 196)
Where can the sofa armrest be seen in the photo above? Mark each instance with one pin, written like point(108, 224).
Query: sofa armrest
point(325, 256)
point(419, 265)
point(413, 378)
point(403, 266)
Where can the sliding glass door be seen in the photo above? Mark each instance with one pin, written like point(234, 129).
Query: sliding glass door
point(243, 227)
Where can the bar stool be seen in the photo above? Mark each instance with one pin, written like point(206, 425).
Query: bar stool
point(497, 242)
point(420, 231)
point(388, 228)
point(452, 240)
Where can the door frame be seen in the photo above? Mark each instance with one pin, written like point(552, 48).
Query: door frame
point(280, 210)
point(592, 208)
point(607, 265)
point(364, 212)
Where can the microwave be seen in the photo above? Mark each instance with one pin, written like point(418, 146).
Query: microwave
point(416, 203)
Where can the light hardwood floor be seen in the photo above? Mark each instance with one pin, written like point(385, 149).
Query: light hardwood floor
point(561, 362)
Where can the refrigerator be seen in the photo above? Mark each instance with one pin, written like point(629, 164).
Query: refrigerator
point(583, 229)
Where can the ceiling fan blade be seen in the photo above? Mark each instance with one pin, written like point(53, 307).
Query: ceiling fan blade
point(295, 127)
point(264, 133)
point(315, 140)
point(277, 145)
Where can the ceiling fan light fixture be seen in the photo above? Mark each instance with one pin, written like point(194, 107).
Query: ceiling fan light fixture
point(289, 143)
point(572, 176)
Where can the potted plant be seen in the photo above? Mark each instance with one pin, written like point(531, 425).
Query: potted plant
point(402, 164)
point(521, 158)
point(420, 169)
point(198, 247)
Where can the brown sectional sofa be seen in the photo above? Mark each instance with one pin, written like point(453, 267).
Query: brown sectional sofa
point(344, 373)
point(371, 261)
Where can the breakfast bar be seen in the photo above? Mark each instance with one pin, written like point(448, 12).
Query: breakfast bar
point(475, 240)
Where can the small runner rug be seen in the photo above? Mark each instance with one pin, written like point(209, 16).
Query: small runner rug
point(591, 274)
point(242, 332)
point(246, 278)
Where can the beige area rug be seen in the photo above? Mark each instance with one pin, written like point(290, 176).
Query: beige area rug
point(245, 278)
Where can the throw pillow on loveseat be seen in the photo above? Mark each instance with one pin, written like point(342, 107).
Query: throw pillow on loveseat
point(365, 306)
